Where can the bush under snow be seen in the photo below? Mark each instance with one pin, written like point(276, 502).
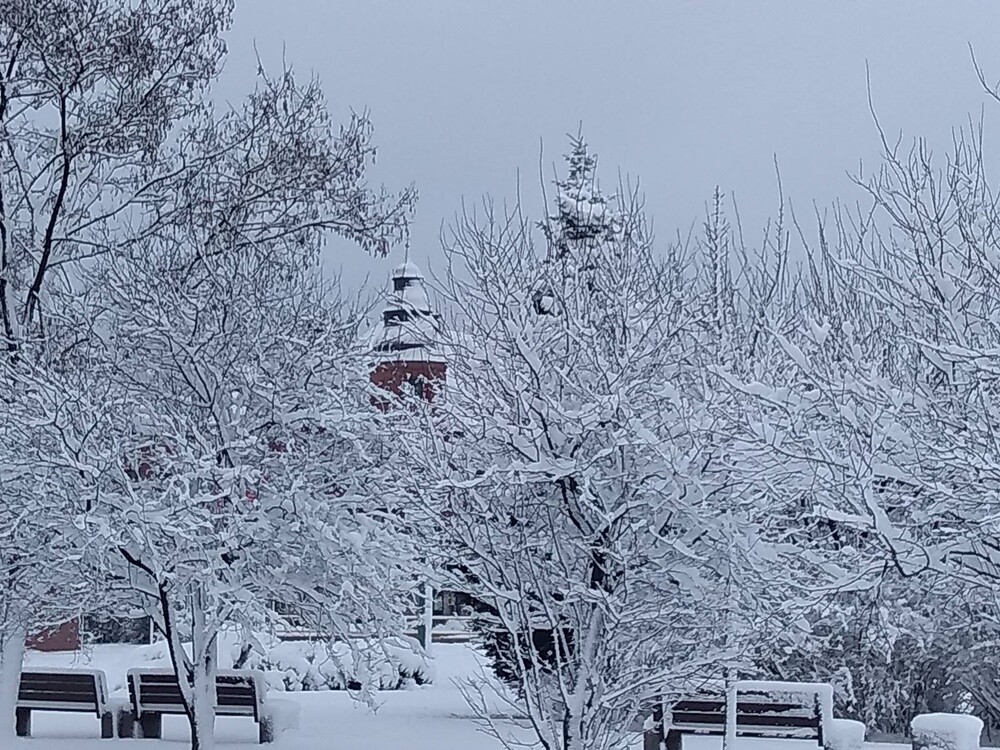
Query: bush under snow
point(946, 732)
point(392, 664)
point(282, 715)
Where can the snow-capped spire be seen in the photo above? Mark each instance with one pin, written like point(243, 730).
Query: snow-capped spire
point(410, 326)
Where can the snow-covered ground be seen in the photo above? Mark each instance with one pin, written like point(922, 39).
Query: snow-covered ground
point(431, 717)
point(692, 742)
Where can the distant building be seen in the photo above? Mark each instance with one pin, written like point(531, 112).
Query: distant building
point(409, 358)
point(407, 351)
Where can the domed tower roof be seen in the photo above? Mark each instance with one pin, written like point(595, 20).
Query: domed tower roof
point(407, 270)
point(410, 326)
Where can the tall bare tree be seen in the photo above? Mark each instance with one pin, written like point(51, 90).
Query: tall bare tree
point(577, 469)
point(113, 164)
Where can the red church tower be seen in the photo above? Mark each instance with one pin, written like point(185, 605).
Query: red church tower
point(407, 347)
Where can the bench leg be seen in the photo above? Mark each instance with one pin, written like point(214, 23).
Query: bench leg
point(107, 726)
point(673, 740)
point(151, 725)
point(126, 723)
point(266, 730)
point(652, 738)
point(22, 721)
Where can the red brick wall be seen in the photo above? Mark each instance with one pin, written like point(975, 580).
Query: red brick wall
point(65, 637)
point(397, 376)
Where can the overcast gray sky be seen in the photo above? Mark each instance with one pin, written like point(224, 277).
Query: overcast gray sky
point(685, 95)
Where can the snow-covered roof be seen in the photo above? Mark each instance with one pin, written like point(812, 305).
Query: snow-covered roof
point(407, 271)
point(410, 329)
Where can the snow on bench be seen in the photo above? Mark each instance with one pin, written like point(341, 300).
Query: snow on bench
point(781, 710)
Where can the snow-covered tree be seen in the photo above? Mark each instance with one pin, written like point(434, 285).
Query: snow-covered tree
point(102, 122)
point(584, 218)
point(240, 473)
point(900, 649)
point(89, 91)
point(880, 418)
point(575, 473)
point(188, 389)
point(43, 557)
point(228, 453)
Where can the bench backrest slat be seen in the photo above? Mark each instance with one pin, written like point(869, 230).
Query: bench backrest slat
point(236, 693)
point(757, 712)
point(83, 690)
point(777, 718)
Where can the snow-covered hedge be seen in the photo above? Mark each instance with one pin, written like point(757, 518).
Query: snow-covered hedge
point(391, 664)
point(946, 732)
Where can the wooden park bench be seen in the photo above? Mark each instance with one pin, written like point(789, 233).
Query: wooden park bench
point(779, 710)
point(76, 690)
point(155, 692)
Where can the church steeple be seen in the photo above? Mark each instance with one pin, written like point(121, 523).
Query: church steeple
point(409, 323)
point(407, 348)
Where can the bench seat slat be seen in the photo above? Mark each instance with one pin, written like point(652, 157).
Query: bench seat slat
point(43, 695)
point(175, 708)
point(775, 732)
point(57, 706)
point(745, 726)
point(742, 728)
point(235, 711)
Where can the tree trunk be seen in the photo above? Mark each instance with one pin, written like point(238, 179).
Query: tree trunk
point(11, 657)
point(201, 713)
point(195, 676)
point(582, 701)
point(729, 738)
